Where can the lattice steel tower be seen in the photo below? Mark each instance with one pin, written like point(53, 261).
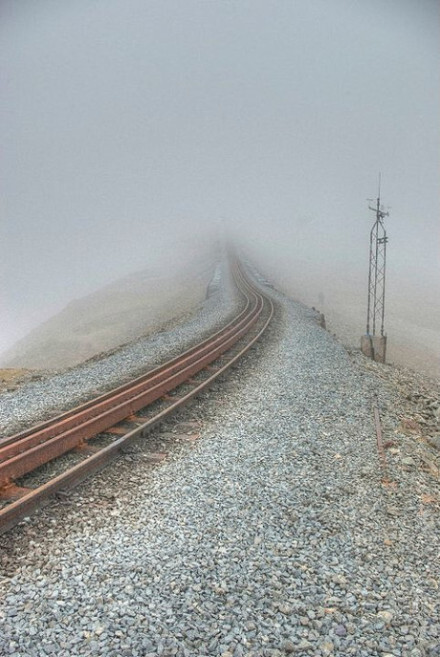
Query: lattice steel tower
point(376, 274)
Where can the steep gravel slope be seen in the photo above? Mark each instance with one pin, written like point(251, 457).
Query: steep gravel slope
point(267, 533)
point(40, 399)
point(115, 314)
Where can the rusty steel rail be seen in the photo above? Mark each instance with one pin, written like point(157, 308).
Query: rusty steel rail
point(379, 441)
point(28, 450)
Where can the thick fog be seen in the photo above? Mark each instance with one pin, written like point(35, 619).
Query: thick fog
point(129, 129)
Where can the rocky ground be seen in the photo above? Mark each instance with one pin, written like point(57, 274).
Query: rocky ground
point(12, 378)
point(266, 530)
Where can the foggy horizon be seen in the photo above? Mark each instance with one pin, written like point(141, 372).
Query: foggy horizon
point(129, 130)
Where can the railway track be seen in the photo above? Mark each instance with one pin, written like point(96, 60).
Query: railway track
point(82, 440)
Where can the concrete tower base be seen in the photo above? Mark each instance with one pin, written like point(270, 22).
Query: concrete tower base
point(374, 347)
point(367, 346)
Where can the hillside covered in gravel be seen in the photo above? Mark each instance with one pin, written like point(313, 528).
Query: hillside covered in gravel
point(40, 396)
point(124, 310)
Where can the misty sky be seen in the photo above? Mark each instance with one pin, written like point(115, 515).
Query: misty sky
point(130, 127)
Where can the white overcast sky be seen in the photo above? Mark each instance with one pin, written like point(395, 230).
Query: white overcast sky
point(127, 126)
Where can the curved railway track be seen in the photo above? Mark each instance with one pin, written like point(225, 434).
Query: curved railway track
point(104, 426)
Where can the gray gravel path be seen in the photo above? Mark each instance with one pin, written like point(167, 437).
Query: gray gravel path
point(269, 535)
point(40, 399)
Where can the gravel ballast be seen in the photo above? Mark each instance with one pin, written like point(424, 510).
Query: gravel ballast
point(267, 533)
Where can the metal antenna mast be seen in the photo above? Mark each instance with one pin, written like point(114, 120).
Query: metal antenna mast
point(376, 274)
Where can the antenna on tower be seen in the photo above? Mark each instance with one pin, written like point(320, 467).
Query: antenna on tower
point(372, 344)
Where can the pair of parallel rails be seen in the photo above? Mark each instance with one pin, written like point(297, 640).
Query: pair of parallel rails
point(120, 412)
